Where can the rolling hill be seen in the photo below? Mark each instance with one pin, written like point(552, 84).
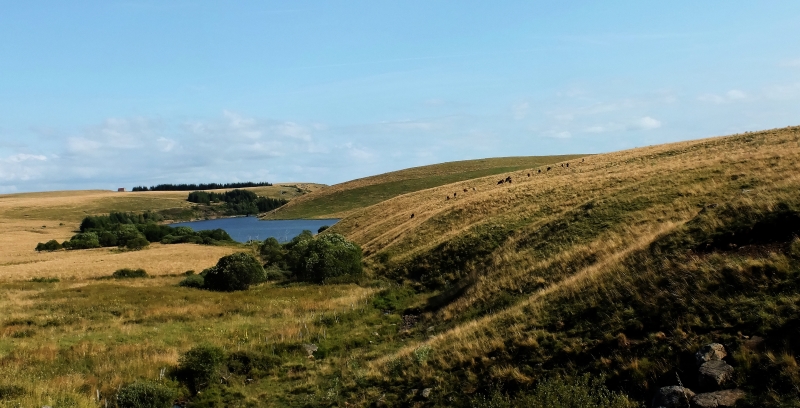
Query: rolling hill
point(340, 200)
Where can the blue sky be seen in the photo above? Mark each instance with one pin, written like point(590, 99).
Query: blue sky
point(107, 94)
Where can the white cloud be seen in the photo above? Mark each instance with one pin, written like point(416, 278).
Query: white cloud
point(731, 96)
point(792, 63)
point(648, 123)
point(21, 157)
point(165, 144)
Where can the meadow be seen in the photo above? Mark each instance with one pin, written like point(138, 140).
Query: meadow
point(618, 266)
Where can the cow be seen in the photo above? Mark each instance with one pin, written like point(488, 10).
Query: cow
point(540, 171)
point(567, 164)
point(447, 198)
point(548, 169)
point(508, 179)
point(412, 215)
point(529, 174)
point(473, 189)
point(500, 182)
point(455, 194)
point(465, 190)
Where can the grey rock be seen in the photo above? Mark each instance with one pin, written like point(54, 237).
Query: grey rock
point(710, 352)
point(672, 397)
point(426, 393)
point(310, 349)
point(718, 399)
point(715, 374)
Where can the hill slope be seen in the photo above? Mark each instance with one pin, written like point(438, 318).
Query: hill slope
point(622, 265)
point(342, 199)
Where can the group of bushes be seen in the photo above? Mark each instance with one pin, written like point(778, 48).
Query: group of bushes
point(202, 186)
point(237, 202)
point(199, 370)
point(231, 273)
point(133, 232)
point(327, 258)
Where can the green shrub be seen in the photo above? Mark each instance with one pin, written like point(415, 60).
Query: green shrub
point(137, 243)
point(199, 367)
point(234, 272)
point(325, 257)
point(126, 273)
point(251, 364)
point(83, 240)
point(393, 299)
point(322, 228)
point(274, 273)
point(272, 253)
point(107, 238)
point(45, 280)
point(145, 394)
point(193, 281)
point(51, 245)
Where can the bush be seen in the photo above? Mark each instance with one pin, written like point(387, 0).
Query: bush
point(198, 367)
point(322, 228)
point(253, 365)
point(234, 272)
point(559, 393)
point(193, 281)
point(127, 273)
point(794, 248)
point(51, 245)
point(83, 240)
point(272, 253)
point(145, 394)
point(327, 257)
point(137, 243)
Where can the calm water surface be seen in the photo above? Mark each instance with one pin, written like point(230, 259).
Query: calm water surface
point(243, 229)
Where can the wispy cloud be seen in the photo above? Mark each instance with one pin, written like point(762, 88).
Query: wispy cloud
point(734, 95)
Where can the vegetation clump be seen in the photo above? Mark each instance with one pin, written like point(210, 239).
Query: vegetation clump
point(145, 394)
point(128, 273)
point(326, 258)
point(234, 272)
point(557, 392)
point(237, 202)
point(49, 246)
point(198, 367)
point(201, 186)
point(193, 281)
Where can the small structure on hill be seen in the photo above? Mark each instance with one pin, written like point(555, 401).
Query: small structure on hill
point(121, 190)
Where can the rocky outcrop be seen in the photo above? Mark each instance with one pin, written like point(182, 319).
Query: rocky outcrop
point(672, 397)
point(715, 374)
point(710, 352)
point(718, 399)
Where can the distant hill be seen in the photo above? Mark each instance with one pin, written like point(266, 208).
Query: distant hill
point(342, 199)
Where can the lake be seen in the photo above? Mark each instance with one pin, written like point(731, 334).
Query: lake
point(243, 229)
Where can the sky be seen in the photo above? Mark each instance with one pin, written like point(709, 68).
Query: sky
point(108, 94)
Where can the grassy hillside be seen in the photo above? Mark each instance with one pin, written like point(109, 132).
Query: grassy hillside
point(590, 285)
point(342, 199)
point(621, 266)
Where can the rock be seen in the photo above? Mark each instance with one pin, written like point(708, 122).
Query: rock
point(718, 399)
point(426, 393)
point(310, 349)
point(710, 352)
point(714, 374)
point(672, 397)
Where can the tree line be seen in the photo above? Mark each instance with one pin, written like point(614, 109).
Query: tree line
point(205, 186)
point(238, 202)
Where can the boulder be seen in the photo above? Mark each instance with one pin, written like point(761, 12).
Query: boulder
point(426, 393)
point(310, 349)
point(710, 352)
point(672, 397)
point(718, 399)
point(715, 374)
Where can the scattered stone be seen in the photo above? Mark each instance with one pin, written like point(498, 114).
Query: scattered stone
point(672, 397)
point(426, 393)
point(714, 374)
point(718, 399)
point(310, 349)
point(710, 352)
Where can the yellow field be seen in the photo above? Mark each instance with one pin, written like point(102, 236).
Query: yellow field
point(29, 218)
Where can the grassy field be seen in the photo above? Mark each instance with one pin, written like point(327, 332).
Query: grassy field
point(618, 267)
point(340, 200)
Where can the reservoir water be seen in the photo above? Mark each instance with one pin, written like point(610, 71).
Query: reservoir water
point(243, 229)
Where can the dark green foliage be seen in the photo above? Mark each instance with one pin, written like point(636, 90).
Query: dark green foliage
point(202, 186)
point(107, 238)
point(199, 367)
point(145, 394)
point(556, 392)
point(274, 273)
point(137, 243)
point(103, 222)
point(794, 248)
point(252, 364)
point(45, 280)
point(126, 273)
point(323, 258)
point(322, 228)
point(83, 240)
point(234, 272)
point(238, 202)
point(193, 281)
point(10, 391)
point(272, 253)
point(51, 245)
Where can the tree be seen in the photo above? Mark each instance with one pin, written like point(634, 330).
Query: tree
point(325, 257)
point(234, 272)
